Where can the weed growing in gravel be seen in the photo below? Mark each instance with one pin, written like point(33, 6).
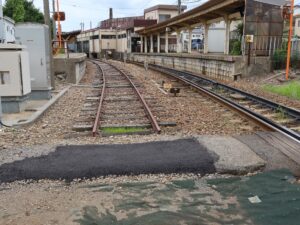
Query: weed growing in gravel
point(122, 130)
point(291, 89)
point(281, 113)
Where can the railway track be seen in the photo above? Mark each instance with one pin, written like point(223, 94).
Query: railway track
point(121, 107)
point(267, 114)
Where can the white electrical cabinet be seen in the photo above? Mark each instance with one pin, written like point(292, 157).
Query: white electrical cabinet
point(36, 38)
point(14, 71)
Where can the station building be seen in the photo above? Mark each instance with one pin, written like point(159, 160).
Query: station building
point(119, 35)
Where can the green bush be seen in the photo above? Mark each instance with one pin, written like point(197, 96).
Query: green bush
point(235, 47)
point(279, 59)
point(295, 60)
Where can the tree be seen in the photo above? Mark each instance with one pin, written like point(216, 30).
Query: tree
point(15, 10)
point(22, 11)
point(32, 13)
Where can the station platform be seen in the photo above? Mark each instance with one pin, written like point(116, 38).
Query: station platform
point(71, 66)
point(214, 65)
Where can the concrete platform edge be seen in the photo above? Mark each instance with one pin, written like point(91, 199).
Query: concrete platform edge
point(40, 112)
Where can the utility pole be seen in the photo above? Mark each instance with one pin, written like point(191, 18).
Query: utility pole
point(53, 21)
point(179, 7)
point(47, 22)
point(288, 61)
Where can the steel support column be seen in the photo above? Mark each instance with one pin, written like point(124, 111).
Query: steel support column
point(178, 48)
point(167, 42)
point(190, 40)
point(206, 27)
point(146, 45)
point(142, 43)
point(227, 34)
point(151, 43)
point(158, 43)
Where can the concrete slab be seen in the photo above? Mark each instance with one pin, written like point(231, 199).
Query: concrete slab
point(232, 156)
point(273, 156)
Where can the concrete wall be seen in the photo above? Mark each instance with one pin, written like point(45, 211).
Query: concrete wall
point(73, 67)
point(214, 66)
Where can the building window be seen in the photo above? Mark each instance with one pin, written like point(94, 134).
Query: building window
point(120, 36)
point(298, 23)
point(94, 37)
point(163, 17)
point(108, 36)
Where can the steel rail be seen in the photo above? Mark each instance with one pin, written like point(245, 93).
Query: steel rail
point(263, 101)
point(147, 109)
point(98, 115)
point(255, 117)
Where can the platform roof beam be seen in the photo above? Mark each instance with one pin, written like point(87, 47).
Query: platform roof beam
point(211, 11)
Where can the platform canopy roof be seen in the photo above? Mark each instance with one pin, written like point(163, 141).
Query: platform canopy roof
point(210, 12)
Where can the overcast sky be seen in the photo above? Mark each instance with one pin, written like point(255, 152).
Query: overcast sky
point(94, 11)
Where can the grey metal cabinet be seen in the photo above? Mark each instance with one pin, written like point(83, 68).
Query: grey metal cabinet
point(36, 38)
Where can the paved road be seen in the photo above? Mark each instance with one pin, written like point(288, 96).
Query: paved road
point(70, 162)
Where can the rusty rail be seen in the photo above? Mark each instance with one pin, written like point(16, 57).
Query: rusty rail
point(97, 119)
point(147, 109)
point(152, 119)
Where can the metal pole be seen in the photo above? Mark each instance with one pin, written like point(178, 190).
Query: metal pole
point(59, 26)
point(53, 21)
point(47, 22)
point(288, 61)
point(249, 53)
point(179, 6)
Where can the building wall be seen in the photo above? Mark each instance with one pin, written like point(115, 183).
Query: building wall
point(154, 15)
point(1, 24)
point(100, 40)
point(9, 30)
point(297, 26)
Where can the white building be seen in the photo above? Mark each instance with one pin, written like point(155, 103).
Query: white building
point(1, 23)
point(162, 12)
point(7, 28)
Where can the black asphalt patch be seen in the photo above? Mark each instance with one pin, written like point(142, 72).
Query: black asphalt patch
point(89, 161)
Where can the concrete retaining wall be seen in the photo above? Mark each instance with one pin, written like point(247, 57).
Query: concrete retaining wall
point(214, 66)
point(73, 67)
